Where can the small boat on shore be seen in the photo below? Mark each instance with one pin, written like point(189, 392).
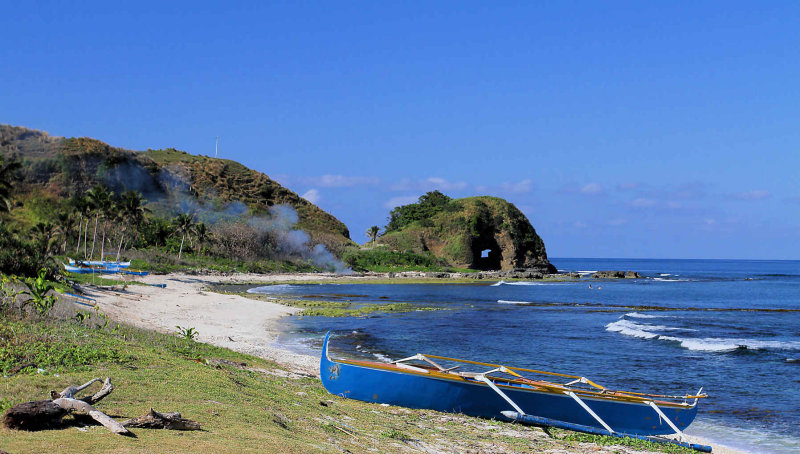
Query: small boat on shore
point(89, 269)
point(501, 392)
point(100, 263)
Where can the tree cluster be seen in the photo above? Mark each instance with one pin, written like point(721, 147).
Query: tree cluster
point(429, 205)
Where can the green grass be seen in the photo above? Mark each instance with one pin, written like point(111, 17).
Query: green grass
point(341, 308)
point(258, 407)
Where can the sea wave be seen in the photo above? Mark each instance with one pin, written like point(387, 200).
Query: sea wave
point(642, 330)
point(514, 302)
point(531, 283)
point(497, 284)
point(720, 344)
point(707, 344)
point(640, 315)
point(661, 279)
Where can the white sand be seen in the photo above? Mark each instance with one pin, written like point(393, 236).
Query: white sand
point(231, 321)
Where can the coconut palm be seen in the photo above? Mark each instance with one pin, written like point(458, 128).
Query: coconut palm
point(372, 233)
point(100, 201)
point(130, 212)
point(7, 176)
point(184, 225)
point(80, 205)
point(43, 235)
point(202, 235)
point(65, 223)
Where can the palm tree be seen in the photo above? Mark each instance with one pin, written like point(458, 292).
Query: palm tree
point(372, 233)
point(184, 225)
point(100, 201)
point(130, 211)
point(43, 235)
point(65, 223)
point(202, 235)
point(7, 177)
point(81, 206)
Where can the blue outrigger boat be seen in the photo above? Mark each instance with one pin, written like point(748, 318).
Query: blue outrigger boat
point(580, 404)
point(99, 263)
point(88, 269)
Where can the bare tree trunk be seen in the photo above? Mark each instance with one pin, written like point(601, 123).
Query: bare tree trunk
point(85, 232)
point(94, 237)
point(78, 247)
point(103, 242)
point(122, 238)
point(180, 251)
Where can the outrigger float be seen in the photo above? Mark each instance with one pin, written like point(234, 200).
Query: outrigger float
point(580, 404)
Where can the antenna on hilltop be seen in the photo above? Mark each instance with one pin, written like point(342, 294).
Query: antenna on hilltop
point(216, 147)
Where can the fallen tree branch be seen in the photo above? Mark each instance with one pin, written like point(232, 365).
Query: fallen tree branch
point(44, 414)
point(47, 414)
point(82, 408)
point(156, 420)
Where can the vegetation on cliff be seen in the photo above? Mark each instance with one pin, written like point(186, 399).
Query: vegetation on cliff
point(61, 195)
point(473, 232)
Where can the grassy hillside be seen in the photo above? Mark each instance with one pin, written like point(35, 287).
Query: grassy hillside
point(55, 168)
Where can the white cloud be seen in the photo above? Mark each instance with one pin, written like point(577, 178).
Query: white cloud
point(617, 222)
point(752, 195)
point(312, 195)
point(428, 184)
point(642, 202)
point(591, 189)
point(340, 181)
point(519, 187)
point(402, 200)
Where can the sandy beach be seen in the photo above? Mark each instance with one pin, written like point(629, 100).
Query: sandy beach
point(230, 321)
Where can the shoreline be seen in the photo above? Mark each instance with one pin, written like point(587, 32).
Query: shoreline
point(230, 321)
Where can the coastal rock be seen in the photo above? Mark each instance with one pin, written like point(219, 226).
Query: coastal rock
point(483, 233)
point(616, 275)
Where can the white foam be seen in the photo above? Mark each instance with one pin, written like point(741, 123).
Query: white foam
point(279, 288)
point(587, 272)
point(629, 328)
point(531, 283)
point(382, 358)
point(661, 279)
point(497, 284)
point(742, 439)
point(706, 344)
point(664, 274)
point(641, 330)
point(640, 315)
point(514, 302)
point(719, 344)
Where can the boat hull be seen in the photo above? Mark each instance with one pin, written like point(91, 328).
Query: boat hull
point(90, 270)
point(471, 397)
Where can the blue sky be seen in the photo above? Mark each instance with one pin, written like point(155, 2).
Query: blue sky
point(622, 129)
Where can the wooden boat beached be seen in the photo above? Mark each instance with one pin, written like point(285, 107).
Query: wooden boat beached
point(88, 269)
point(101, 263)
point(501, 392)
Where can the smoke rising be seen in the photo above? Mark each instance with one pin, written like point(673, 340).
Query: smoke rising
point(277, 231)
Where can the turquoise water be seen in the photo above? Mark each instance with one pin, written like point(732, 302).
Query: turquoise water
point(730, 326)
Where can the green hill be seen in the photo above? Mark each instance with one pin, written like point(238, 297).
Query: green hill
point(171, 180)
point(486, 233)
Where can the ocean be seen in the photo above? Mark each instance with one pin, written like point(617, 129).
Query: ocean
point(729, 326)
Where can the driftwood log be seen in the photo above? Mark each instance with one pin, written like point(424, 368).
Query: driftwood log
point(47, 414)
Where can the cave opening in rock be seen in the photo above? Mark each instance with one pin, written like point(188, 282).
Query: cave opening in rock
point(486, 254)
